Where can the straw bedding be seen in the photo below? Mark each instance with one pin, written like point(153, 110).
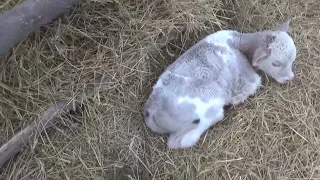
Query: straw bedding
point(274, 135)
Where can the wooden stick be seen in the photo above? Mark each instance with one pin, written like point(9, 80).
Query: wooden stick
point(32, 131)
point(17, 23)
point(47, 119)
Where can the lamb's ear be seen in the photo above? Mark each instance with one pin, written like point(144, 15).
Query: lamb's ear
point(263, 50)
point(260, 54)
point(284, 26)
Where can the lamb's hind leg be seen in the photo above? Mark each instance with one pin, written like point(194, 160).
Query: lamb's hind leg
point(191, 134)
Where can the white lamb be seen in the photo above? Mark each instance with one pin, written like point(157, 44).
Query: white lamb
point(190, 95)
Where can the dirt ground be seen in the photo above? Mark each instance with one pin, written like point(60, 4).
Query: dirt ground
point(274, 135)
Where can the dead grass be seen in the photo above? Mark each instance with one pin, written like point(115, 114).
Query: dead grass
point(274, 135)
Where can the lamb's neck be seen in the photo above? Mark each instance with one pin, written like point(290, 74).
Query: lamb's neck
point(247, 43)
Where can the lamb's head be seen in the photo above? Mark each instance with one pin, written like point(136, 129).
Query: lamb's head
point(153, 118)
point(276, 53)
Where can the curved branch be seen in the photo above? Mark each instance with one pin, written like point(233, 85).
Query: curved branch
point(32, 131)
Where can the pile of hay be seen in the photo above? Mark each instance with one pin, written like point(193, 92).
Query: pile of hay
point(129, 42)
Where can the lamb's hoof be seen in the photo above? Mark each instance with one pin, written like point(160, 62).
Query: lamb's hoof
point(187, 141)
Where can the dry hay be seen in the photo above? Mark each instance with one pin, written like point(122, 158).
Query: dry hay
point(272, 136)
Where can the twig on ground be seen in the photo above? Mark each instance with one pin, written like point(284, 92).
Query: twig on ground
point(46, 120)
point(32, 131)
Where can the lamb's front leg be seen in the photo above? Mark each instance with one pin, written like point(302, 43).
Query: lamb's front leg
point(190, 135)
point(246, 91)
point(238, 99)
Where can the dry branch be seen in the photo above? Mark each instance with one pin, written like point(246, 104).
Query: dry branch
point(47, 119)
point(17, 23)
point(32, 131)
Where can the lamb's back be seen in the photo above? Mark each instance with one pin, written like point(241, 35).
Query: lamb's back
point(213, 62)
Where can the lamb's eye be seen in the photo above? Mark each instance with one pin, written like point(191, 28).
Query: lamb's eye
point(276, 64)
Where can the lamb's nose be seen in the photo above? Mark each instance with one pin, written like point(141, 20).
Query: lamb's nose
point(147, 114)
point(146, 117)
point(290, 77)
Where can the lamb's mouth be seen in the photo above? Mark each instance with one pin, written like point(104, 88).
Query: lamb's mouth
point(155, 122)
